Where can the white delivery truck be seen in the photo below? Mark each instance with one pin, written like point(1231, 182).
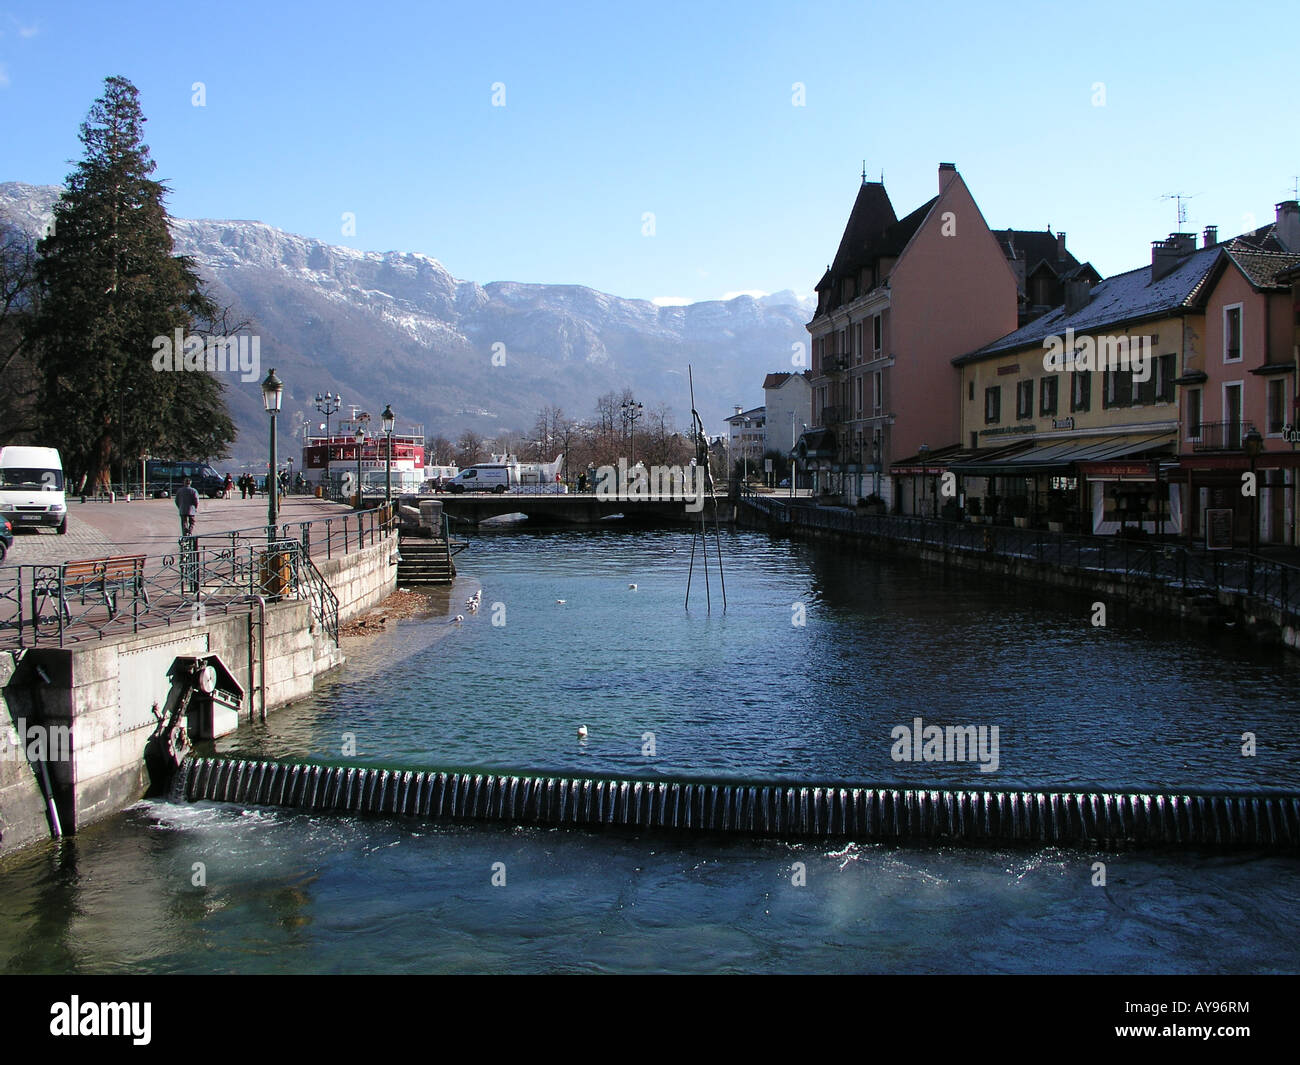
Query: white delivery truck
point(31, 487)
point(507, 474)
point(484, 477)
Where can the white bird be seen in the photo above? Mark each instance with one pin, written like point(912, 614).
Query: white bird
point(460, 618)
point(632, 586)
point(561, 601)
point(582, 732)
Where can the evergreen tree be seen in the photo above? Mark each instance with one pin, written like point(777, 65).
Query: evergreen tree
point(110, 284)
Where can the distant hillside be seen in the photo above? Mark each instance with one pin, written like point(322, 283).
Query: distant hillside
point(398, 328)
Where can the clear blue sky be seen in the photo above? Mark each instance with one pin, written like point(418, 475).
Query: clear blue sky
point(683, 110)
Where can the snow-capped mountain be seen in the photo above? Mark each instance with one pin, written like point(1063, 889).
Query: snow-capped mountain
point(399, 328)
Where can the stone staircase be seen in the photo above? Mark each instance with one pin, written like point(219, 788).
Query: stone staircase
point(423, 561)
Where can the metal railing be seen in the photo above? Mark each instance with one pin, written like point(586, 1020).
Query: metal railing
point(327, 536)
point(1220, 436)
point(1174, 565)
point(59, 604)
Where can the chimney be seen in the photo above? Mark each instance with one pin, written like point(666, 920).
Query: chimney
point(1166, 255)
point(947, 171)
point(1077, 295)
point(739, 408)
point(1287, 230)
point(1060, 247)
point(1210, 237)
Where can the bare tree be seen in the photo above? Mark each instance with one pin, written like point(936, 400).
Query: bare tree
point(469, 448)
point(439, 451)
point(19, 296)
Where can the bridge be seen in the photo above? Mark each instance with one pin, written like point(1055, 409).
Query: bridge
point(577, 508)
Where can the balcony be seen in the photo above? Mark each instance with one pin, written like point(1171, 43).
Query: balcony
point(834, 416)
point(1219, 436)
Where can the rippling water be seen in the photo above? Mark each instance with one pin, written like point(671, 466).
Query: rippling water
point(747, 693)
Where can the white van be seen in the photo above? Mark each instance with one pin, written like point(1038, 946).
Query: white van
point(31, 487)
point(485, 477)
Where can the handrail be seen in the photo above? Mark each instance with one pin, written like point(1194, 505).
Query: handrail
point(1174, 565)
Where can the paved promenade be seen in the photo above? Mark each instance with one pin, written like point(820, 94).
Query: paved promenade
point(151, 526)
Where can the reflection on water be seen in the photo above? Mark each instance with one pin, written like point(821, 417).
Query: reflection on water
point(209, 888)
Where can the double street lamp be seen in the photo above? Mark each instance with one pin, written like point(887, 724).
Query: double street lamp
point(388, 419)
point(631, 412)
point(328, 405)
point(272, 393)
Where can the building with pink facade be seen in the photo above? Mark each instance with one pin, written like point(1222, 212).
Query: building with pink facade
point(1237, 409)
point(901, 298)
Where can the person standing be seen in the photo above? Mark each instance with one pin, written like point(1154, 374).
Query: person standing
point(187, 504)
point(228, 487)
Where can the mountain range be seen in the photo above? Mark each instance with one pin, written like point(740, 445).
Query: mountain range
point(451, 355)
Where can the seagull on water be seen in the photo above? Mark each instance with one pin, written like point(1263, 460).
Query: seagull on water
point(582, 732)
point(632, 586)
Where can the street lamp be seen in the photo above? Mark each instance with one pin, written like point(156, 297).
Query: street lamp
point(361, 439)
point(924, 452)
point(328, 405)
point(272, 393)
point(388, 418)
point(631, 412)
point(1253, 444)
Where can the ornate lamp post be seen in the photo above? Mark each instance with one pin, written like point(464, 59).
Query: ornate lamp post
point(328, 405)
point(272, 393)
point(361, 439)
point(631, 412)
point(388, 419)
point(1253, 444)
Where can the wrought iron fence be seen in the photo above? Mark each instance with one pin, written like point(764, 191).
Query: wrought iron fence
point(59, 604)
point(1175, 565)
point(320, 536)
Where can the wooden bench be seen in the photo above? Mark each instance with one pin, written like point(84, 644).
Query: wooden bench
point(104, 577)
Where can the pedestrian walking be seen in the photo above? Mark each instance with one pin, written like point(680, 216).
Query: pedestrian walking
point(228, 487)
point(187, 504)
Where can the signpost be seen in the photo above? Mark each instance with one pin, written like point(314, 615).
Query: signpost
point(1218, 530)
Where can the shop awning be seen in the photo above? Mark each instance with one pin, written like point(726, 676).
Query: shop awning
point(1063, 456)
point(949, 458)
point(815, 444)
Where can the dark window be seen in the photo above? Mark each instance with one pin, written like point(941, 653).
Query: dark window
point(993, 404)
point(1232, 334)
point(1276, 405)
point(1118, 389)
point(1047, 396)
point(1164, 377)
point(878, 332)
point(1081, 390)
point(1194, 414)
point(970, 393)
point(1025, 399)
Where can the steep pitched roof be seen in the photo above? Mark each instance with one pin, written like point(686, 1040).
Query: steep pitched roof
point(1119, 299)
point(775, 380)
point(1263, 269)
point(873, 231)
point(1034, 247)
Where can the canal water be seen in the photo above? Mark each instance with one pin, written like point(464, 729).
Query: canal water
point(819, 657)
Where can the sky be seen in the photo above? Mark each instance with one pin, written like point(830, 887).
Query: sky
point(675, 151)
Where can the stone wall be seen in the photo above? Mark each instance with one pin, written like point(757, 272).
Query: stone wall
point(106, 693)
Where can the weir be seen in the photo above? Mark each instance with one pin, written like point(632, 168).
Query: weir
point(787, 810)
